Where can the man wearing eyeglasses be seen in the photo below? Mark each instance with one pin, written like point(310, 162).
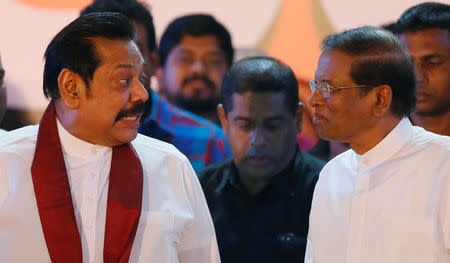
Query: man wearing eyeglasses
point(387, 198)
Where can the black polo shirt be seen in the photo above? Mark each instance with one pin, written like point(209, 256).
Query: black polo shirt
point(269, 227)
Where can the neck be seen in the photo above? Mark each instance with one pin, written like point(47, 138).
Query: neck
point(254, 187)
point(369, 138)
point(256, 183)
point(439, 124)
point(65, 116)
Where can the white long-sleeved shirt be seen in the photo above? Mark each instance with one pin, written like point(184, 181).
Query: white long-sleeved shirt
point(390, 205)
point(175, 225)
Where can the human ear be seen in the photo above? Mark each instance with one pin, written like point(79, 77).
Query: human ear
point(299, 117)
point(383, 100)
point(68, 88)
point(222, 117)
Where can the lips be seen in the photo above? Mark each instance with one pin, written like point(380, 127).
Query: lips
point(258, 160)
point(132, 121)
point(131, 118)
point(422, 96)
point(318, 117)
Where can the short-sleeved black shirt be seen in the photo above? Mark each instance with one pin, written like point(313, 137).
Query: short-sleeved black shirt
point(269, 227)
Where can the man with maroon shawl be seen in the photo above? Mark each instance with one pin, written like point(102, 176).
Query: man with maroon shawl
point(83, 186)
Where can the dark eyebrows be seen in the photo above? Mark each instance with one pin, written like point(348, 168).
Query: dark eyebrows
point(240, 118)
point(127, 66)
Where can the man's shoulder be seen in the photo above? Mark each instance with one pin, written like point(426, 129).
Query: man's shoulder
point(23, 136)
point(421, 137)
point(180, 124)
point(171, 115)
point(150, 146)
point(340, 161)
point(213, 174)
point(18, 146)
point(306, 161)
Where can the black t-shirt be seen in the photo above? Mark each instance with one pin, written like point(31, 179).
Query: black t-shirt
point(269, 227)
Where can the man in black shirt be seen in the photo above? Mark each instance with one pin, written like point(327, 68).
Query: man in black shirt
point(260, 200)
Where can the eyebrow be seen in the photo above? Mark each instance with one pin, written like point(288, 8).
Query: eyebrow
point(130, 66)
point(125, 66)
point(239, 118)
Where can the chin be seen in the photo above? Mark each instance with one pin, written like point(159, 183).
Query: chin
point(126, 138)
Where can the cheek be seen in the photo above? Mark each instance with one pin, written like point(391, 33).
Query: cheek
point(239, 142)
point(217, 75)
point(440, 80)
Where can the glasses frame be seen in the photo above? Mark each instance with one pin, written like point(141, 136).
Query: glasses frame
point(327, 89)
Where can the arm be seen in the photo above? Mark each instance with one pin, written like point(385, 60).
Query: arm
point(198, 241)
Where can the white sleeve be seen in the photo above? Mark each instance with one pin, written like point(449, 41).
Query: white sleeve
point(308, 254)
point(198, 242)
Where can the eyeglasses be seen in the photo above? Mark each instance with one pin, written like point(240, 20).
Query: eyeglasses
point(327, 90)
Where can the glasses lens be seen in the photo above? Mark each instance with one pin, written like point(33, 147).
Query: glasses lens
point(312, 86)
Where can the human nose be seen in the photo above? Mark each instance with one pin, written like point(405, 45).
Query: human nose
point(316, 98)
point(258, 137)
point(198, 67)
point(138, 93)
point(420, 73)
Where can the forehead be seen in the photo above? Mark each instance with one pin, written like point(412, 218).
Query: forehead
point(334, 66)
point(198, 44)
point(427, 41)
point(116, 51)
point(258, 105)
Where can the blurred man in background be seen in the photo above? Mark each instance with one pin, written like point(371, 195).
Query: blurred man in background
point(195, 52)
point(2, 93)
point(424, 29)
point(260, 200)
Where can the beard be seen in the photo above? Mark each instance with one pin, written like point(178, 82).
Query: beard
point(198, 106)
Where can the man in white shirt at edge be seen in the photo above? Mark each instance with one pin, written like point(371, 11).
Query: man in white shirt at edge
point(83, 186)
point(387, 199)
point(2, 94)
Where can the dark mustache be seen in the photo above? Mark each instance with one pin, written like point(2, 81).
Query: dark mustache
point(136, 109)
point(194, 77)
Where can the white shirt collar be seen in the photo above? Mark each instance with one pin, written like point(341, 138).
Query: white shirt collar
point(386, 147)
point(73, 146)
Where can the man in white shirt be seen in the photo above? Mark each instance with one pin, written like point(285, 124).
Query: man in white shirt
point(83, 186)
point(387, 199)
point(2, 94)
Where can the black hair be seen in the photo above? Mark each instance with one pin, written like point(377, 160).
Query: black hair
point(134, 10)
point(260, 74)
point(73, 47)
point(424, 16)
point(380, 58)
point(195, 25)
